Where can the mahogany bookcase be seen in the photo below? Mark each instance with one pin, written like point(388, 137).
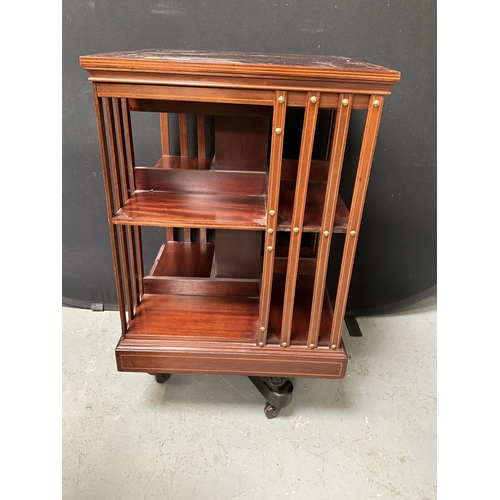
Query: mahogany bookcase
point(238, 286)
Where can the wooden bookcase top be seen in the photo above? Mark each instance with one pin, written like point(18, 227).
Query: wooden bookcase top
point(236, 64)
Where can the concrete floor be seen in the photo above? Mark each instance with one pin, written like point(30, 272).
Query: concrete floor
point(370, 435)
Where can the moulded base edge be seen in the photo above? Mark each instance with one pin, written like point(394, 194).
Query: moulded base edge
point(271, 361)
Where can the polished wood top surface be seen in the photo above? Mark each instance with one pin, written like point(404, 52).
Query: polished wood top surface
point(238, 63)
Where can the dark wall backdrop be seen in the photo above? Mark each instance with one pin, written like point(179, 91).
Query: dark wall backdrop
point(396, 258)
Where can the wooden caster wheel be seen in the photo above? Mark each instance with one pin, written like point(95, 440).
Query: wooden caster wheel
point(271, 411)
point(161, 378)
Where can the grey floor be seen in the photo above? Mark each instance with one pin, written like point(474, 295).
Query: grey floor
point(370, 435)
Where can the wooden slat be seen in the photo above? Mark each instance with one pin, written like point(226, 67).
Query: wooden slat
point(358, 200)
point(183, 135)
point(306, 147)
point(200, 128)
point(122, 159)
point(125, 180)
point(115, 173)
point(203, 235)
point(108, 187)
point(165, 137)
point(271, 220)
point(119, 199)
point(187, 234)
point(336, 162)
point(165, 150)
point(136, 230)
point(117, 196)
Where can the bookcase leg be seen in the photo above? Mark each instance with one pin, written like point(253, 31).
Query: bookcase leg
point(353, 326)
point(276, 390)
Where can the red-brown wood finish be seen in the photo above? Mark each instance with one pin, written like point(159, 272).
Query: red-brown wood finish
point(299, 206)
point(225, 298)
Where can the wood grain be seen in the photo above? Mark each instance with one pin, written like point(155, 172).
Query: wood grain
point(299, 205)
point(315, 200)
point(192, 317)
point(177, 180)
point(199, 63)
point(237, 358)
point(176, 258)
point(220, 211)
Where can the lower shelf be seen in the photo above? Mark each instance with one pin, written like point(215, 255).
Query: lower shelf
point(196, 318)
point(133, 355)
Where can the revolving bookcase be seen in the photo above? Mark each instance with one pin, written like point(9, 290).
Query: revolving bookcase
point(238, 285)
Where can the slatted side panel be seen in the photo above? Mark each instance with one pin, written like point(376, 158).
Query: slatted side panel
point(131, 271)
point(115, 136)
point(315, 321)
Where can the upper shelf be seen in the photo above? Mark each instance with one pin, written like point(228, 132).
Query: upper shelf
point(182, 209)
point(185, 192)
point(152, 64)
